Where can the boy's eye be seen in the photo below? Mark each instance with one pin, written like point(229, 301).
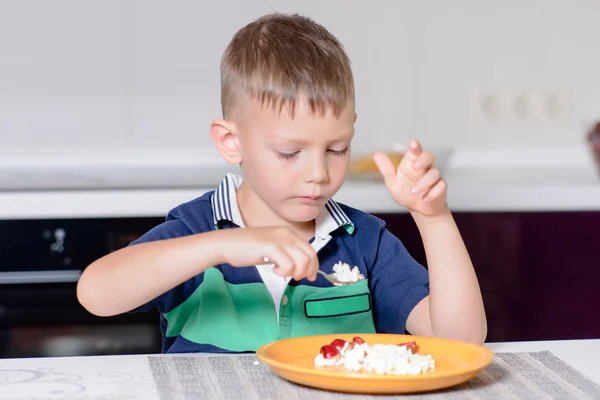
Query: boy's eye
point(339, 152)
point(287, 156)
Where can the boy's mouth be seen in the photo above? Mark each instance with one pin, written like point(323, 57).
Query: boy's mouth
point(310, 198)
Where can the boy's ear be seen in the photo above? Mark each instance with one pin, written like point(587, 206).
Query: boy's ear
point(225, 140)
point(355, 115)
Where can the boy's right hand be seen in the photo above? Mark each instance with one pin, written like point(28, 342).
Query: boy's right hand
point(292, 255)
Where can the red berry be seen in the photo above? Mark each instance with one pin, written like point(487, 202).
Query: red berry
point(329, 351)
point(411, 346)
point(338, 343)
point(358, 340)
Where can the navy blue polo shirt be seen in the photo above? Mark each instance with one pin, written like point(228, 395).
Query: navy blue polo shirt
point(227, 309)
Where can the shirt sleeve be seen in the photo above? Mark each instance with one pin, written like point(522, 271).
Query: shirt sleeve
point(170, 229)
point(398, 284)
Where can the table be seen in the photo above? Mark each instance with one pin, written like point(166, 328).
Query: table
point(134, 376)
point(580, 354)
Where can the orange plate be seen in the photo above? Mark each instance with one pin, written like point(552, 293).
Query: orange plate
point(455, 362)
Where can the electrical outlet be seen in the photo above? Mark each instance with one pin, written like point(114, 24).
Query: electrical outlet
point(521, 108)
point(555, 107)
point(487, 108)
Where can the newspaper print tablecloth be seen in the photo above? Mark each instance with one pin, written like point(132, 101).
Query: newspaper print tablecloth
point(512, 375)
point(532, 376)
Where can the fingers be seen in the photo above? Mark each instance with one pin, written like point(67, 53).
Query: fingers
point(426, 183)
point(436, 191)
point(423, 162)
point(414, 149)
point(293, 256)
point(415, 169)
point(386, 168)
point(304, 262)
point(284, 263)
point(289, 269)
point(312, 264)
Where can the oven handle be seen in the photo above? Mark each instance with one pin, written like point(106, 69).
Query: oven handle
point(56, 276)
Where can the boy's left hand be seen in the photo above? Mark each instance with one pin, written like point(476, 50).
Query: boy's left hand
point(415, 184)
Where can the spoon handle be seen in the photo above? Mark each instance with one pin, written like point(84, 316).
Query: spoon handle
point(332, 280)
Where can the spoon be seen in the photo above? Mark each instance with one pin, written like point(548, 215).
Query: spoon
point(334, 281)
point(269, 264)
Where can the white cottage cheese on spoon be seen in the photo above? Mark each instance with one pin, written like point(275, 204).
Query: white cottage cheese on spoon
point(343, 273)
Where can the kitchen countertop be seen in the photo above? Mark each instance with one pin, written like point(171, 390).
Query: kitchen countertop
point(131, 377)
point(146, 186)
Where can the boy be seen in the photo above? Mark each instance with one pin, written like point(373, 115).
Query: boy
point(288, 121)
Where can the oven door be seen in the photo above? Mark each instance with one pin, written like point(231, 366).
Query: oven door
point(40, 264)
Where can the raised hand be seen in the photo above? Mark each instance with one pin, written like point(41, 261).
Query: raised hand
point(415, 184)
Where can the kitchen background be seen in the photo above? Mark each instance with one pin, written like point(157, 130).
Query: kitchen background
point(104, 115)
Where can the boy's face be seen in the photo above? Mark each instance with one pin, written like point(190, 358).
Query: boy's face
point(293, 166)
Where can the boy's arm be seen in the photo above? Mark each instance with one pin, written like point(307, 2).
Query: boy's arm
point(454, 309)
point(130, 277)
point(133, 276)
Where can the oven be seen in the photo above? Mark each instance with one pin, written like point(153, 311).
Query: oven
point(40, 264)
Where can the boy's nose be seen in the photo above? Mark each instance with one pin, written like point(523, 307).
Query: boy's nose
point(317, 172)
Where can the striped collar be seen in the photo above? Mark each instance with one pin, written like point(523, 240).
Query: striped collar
point(225, 208)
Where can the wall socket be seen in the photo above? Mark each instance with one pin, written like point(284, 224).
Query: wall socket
point(521, 108)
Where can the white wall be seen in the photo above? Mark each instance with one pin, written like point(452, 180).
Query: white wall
point(143, 74)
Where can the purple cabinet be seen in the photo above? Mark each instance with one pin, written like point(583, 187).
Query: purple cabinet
point(539, 272)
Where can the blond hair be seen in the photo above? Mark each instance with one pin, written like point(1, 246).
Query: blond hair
point(282, 59)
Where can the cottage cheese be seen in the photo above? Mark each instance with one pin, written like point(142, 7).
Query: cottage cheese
point(343, 273)
point(381, 359)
